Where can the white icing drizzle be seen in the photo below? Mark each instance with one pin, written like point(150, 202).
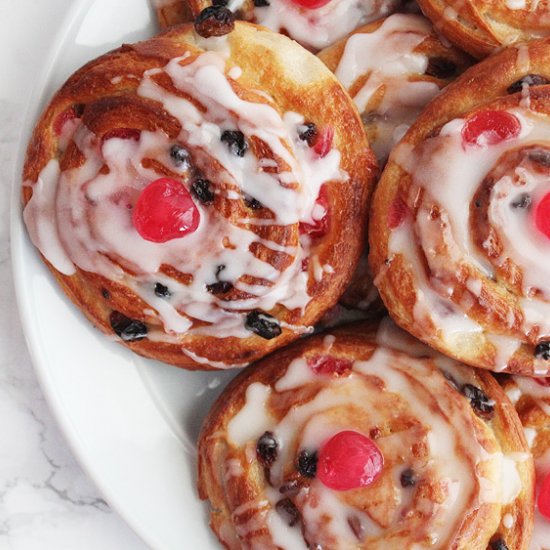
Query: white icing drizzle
point(82, 216)
point(387, 57)
point(318, 28)
point(455, 456)
point(449, 175)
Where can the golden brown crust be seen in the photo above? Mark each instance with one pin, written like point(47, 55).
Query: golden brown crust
point(242, 492)
point(481, 27)
point(495, 305)
point(104, 95)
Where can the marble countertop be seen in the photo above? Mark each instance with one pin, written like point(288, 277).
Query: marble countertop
point(46, 500)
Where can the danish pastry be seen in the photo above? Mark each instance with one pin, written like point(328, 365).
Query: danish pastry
point(313, 23)
point(203, 199)
point(459, 234)
point(392, 68)
point(531, 396)
point(346, 440)
point(480, 27)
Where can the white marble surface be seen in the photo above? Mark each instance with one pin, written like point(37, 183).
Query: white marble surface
point(46, 500)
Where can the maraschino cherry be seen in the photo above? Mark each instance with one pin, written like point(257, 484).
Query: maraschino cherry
point(542, 215)
point(323, 143)
point(490, 128)
point(349, 460)
point(165, 211)
point(544, 497)
point(319, 227)
point(311, 4)
point(329, 365)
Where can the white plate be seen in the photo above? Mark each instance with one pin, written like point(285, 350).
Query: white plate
point(132, 423)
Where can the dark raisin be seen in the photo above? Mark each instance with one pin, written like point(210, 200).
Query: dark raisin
point(78, 109)
point(528, 80)
point(451, 380)
point(221, 287)
point(261, 3)
point(235, 141)
point(498, 544)
point(105, 293)
point(523, 202)
point(263, 324)
point(286, 509)
point(220, 2)
point(252, 203)
point(308, 133)
point(439, 67)
point(214, 21)
point(291, 488)
point(542, 350)
point(540, 156)
point(180, 156)
point(162, 291)
point(202, 189)
point(307, 463)
point(481, 404)
point(478, 204)
point(408, 478)
point(129, 330)
point(356, 526)
point(266, 449)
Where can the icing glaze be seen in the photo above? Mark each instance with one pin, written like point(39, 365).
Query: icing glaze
point(81, 217)
point(387, 58)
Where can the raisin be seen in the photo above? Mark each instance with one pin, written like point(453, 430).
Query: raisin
point(481, 404)
point(307, 463)
point(498, 544)
point(263, 324)
point(267, 449)
point(235, 141)
point(252, 203)
point(408, 478)
point(261, 3)
point(540, 156)
point(542, 350)
point(221, 287)
point(130, 330)
point(523, 202)
point(220, 2)
point(162, 291)
point(202, 189)
point(180, 156)
point(439, 67)
point(308, 133)
point(214, 21)
point(288, 511)
point(356, 526)
point(105, 293)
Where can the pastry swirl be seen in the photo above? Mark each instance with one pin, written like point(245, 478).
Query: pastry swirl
point(481, 27)
point(458, 236)
point(451, 458)
point(194, 203)
point(315, 24)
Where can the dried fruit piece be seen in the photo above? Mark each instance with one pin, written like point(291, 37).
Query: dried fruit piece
point(490, 128)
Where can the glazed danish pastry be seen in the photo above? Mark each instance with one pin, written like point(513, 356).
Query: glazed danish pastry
point(460, 236)
point(313, 23)
point(531, 396)
point(193, 202)
point(392, 68)
point(480, 27)
point(345, 440)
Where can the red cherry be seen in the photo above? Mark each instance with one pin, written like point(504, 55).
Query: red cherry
point(311, 4)
point(62, 118)
point(544, 497)
point(122, 133)
point(319, 228)
point(542, 215)
point(490, 128)
point(165, 211)
point(323, 143)
point(328, 365)
point(349, 460)
point(397, 213)
point(543, 382)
